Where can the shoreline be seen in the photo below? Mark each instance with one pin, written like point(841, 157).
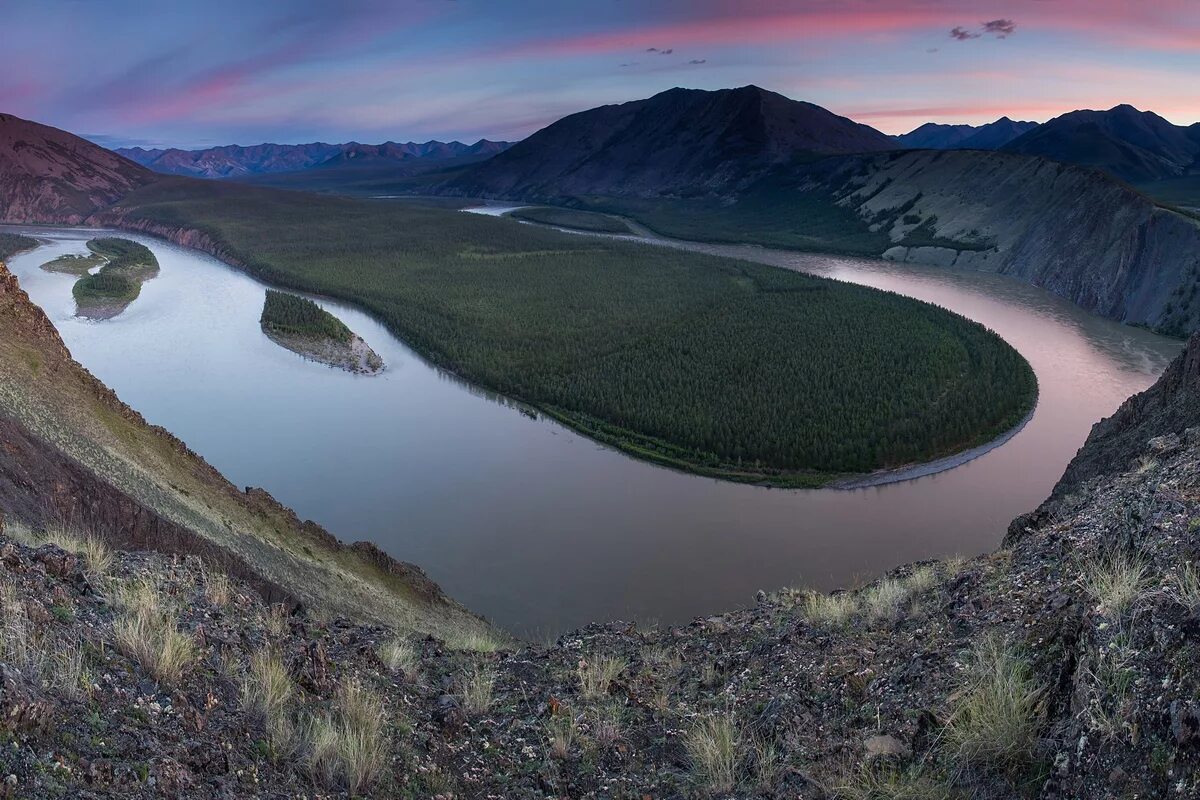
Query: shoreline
point(355, 357)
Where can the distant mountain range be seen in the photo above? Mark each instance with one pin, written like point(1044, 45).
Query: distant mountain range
point(235, 161)
point(1137, 146)
point(993, 136)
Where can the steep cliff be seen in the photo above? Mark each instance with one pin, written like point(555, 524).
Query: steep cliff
point(1068, 229)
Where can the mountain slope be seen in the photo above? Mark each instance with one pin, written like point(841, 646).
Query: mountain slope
point(679, 139)
point(234, 161)
point(52, 174)
point(1136, 146)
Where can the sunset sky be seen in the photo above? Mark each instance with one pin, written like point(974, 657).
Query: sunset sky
point(218, 72)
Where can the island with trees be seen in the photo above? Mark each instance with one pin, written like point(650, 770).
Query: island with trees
point(300, 325)
point(109, 291)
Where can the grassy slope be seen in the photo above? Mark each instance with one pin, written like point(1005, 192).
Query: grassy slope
point(685, 359)
point(58, 401)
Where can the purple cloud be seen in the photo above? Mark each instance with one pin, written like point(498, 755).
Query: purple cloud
point(1000, 28)
point(962, 34)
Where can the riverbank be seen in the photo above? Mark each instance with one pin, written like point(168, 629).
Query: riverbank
point(354, 356)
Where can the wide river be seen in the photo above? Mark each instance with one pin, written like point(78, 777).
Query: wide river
point(537, 527)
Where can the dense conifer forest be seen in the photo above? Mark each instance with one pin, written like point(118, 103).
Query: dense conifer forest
point(299, 316)
point(13, 243)
point(721, 366)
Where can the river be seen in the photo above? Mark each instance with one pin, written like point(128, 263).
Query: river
point(533, 525)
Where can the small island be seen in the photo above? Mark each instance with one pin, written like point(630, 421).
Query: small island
point(108, 292)
point(300, 325)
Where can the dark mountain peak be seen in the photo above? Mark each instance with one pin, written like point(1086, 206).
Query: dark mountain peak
point(680, 138)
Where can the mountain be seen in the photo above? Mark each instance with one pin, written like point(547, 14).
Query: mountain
point(933, 136)
point(46, 173)
point(996, 134)
point(681, 139)
point(1136, 146)
point(234, 161)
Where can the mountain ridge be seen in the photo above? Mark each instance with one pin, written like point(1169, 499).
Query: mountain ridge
point(234, 161)
point(1134, 145)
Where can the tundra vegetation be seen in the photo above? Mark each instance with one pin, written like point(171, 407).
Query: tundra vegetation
point(709, 364)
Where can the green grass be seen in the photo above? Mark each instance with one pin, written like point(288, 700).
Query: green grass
point(299, 316)
point(72, 264)
point(13, 243)
point(704, 363)
point(571, 218)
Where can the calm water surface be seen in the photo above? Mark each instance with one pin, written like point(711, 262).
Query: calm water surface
point(531, 524)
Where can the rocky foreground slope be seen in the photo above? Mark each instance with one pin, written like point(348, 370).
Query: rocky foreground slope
point(1064, 665)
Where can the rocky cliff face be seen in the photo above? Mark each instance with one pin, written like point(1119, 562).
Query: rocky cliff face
point(1067, 229)
point(48, 175)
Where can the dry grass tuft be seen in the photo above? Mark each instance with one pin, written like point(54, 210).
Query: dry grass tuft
point(476, 689)
point(883, 601)
point(996, 713)
point(277, 621)
point(829, 610)
point(218, 589)
point(1117, 582)
point(146, 630)
point(922, 579)
point(98, 557)
point(560, 735)
point(472, 640)
point(714, 748)
point(347, 746)
point(1187, 588)
point(268, 691)
point(596, 674)
point(887, 782)
point(401, 655)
